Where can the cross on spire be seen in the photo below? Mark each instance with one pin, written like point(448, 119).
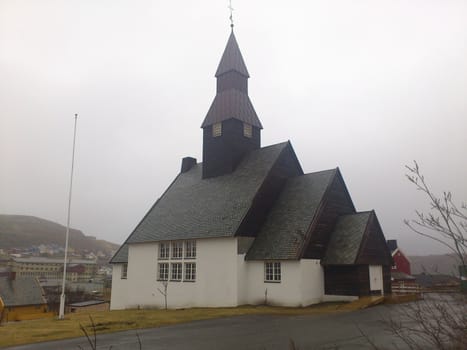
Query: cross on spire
point(231, 14)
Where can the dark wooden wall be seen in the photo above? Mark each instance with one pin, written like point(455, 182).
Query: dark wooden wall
point(336, 202)
point(347, 280)
point(232, 80)
point(223, 153)
point(387, 279)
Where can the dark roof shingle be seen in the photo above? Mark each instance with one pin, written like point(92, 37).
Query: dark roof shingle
point(283, 234)
point(193, 207)
point(346, 239)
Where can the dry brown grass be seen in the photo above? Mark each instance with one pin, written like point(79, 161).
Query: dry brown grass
point(112, 321)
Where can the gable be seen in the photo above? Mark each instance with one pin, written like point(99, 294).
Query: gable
point(286, 166)
point(193, 207)
point(374, 250)
point(346, 239)
point(336, 202)
point(284, 232)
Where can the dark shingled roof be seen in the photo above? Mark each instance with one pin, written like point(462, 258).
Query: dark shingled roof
point(231, 104)
point(283, 234)
point(193, 207)
point(21, 291)
point(121, 256)
point(232, 59)
point(346, 239)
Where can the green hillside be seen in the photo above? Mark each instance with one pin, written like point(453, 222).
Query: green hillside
point(20, 231)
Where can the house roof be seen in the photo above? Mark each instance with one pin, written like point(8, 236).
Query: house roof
point(284, 232)
point(346, 239)
point(229, 104)
point(399, 276)
point(121, 256)
point(21, 291)
point(232, 59)
point(193, 207)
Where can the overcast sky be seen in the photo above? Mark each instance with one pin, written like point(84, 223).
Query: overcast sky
point(367, 86)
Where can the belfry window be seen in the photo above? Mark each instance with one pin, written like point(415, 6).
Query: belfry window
point(216, 129)
point(247, 130)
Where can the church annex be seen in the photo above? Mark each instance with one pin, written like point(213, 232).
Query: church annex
point(247, 225)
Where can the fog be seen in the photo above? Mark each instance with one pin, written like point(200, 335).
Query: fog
point(368, 86)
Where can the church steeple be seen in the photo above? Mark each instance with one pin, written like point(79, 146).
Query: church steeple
point(231, 127)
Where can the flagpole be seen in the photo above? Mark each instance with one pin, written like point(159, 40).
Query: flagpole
point(61, 314)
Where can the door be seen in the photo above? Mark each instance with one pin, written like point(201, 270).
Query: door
point(376, 279)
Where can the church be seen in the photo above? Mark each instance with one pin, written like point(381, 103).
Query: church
point(247, 225)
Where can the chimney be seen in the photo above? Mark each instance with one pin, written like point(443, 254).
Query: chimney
point(187, 164)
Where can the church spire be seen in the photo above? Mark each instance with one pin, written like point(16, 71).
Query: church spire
point(232, 59)
point(231, 127)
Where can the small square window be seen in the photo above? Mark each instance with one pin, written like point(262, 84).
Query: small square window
point(216, 129)
point(124, 271)
point(163, 272)
point(272, 271)
point(176, 272)
point(247, 130)
point(177, 250)
point(190, 272)
point(190, 249)
point(164, 251)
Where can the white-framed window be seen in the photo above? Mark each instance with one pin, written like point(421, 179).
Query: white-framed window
point(177, 250)
point(163, 272)
point(217, 129)
point(190, 249)
point(176, 272)
point(247, 130)
point(164, 250)
point(124, 273)
point(272, 271)
point(190, 272)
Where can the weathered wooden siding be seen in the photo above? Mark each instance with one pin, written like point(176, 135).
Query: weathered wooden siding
point(374, 249)
point(347, 280)
point(336, 202)
point(223, 153)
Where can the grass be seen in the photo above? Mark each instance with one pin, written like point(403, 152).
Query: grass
point(25, 332)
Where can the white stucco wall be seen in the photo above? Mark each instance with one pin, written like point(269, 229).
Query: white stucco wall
point(223, 278)
point(302, 283)
point(119, 294)
point(215, 285)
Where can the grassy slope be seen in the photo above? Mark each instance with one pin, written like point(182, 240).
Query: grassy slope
point(112, 321)
point(20, 231)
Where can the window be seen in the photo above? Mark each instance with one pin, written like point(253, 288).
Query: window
point(177, 250)
point(163, 272)
point(176, 272)
point(124, 271)
point(216, 129)
point(190, 272)
point(190, 249)
point(247, 130)
point(272, 271)
point(164, 251)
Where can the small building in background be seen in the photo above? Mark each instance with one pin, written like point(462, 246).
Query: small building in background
point(88, 306)
point(21, 298)
point(402, 282)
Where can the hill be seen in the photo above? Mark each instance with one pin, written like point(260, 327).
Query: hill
point(20, 231)
point(434, 264)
